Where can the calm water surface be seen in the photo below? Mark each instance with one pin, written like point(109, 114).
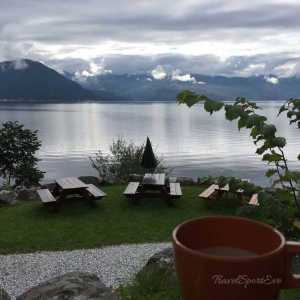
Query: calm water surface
point(190, 140)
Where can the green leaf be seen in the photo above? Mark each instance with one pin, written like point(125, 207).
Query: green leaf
point(255, 120)
point(189, 98)
point(254, 133)
point(291, 211)
point(242, 122)
point(262, 197)
point(267, 130)
point(233, 112)
point(261, 150)
point(282, 109)
point(279, 142)
point(271, 172)
point(272, 157)
point(212, 105)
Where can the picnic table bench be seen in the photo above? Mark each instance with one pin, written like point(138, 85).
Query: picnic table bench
point(254, 200)
point(70, 186)
point(175, 190)
point(132, 189)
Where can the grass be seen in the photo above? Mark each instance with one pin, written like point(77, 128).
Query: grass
point(30, 226)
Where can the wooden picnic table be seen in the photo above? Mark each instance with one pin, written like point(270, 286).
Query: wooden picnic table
point(156, 183)
point(65, 187)
point(219, 193)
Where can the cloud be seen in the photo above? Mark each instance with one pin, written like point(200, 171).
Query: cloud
point(15, 64)
point(19, 64)
point(158, 73)
point(187, 77)
point(249, 38)
point(273, 80)
point(95, 69)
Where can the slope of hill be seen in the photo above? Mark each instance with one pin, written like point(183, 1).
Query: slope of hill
point(31, 80)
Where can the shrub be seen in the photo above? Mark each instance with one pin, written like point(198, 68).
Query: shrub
point(17, 159)
point(152, 283)
point(125, 160)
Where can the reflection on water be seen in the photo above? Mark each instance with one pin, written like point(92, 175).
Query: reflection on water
point(191, 140)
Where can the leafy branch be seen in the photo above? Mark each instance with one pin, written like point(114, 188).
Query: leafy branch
point(267, 142)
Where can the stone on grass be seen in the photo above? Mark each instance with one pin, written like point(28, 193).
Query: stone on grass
point(49, 186)
point(163, 260)
point(4, 295)
point(135, 177)
point(89, 180)
point(28, 194)
point(8, 197)
point(185, 181)
point(111, 181)
point(71, 286)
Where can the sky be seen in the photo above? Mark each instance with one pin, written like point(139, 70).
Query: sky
point(171, 37)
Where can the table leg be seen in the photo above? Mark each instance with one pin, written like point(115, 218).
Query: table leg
point(240, 198)
point(55, 191)
point(166, 196)
point(215, 199)
point(87, 197)
point(59, 201)
point(139, 195)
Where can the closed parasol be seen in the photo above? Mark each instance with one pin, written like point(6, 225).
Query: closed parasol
point(148, 160)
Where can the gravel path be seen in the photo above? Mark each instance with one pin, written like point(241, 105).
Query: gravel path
point(113, 265)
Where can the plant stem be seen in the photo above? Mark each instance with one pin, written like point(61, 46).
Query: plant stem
point(290, 181)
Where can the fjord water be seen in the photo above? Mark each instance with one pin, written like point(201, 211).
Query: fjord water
point(190, 140)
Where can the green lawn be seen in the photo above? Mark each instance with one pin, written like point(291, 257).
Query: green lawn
point(30, 226)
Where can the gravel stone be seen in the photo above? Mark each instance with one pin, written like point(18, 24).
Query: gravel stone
point(113, 265)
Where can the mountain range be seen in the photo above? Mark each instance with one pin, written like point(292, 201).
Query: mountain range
point(143, 87)
point(31, 80)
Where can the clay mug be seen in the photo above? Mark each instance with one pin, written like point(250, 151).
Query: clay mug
point(207, 271)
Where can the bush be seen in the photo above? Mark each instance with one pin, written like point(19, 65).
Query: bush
point(125, 160)
point(152, 283)
point(17, 159)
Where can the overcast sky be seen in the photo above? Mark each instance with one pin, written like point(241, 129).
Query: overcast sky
point(231, 38)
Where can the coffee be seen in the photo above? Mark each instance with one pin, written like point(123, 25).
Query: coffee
point(227, 252)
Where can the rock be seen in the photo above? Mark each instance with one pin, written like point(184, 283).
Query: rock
point(111, 181)
point(71, 286)
point(135, 177)
point(89, 180)
point(270, 190)
point(4, 295)
point(28, 194)
point(8, 197)
point(185, 181)
point(49, 186)
point(163, 259)
point(18, 188)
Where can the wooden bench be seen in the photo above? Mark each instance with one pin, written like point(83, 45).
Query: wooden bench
point(254, 200)
point(46, 197)
point(175, 190)
point(131, 189)
point(209, 191)
point(95, 192)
